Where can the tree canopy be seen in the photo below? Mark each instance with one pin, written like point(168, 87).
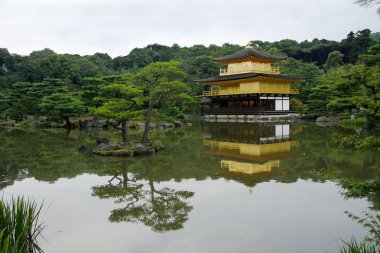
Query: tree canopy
point(339, 76)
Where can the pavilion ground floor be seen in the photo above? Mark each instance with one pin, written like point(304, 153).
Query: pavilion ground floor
point(247, 105)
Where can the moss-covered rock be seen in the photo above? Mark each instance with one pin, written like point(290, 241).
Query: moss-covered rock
point(127, 149)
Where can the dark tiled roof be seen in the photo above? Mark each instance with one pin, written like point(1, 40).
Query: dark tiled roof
point(245, 76)
point(246, 52)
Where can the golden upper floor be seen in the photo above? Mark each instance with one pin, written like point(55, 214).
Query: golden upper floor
point(249, 67)
point(249, 60)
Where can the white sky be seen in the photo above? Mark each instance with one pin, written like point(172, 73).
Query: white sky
point(117, 26)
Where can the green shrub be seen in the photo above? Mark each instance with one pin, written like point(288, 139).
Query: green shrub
point(358, 247)
point(19, 226)
point(353, 123)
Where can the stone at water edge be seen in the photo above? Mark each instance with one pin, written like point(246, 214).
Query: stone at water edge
point(164, 124)
point(178, 124)
point(129, 149)
point(82, 148)
point(102, 140)
point(327, 119)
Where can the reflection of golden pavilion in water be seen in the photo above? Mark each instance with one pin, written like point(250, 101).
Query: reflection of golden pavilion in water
point(249, 168)
point(263, 146)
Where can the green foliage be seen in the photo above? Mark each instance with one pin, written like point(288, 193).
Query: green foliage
point(309, 51)
point(369, 100)
point(360, 143)
point(24, 80)
point(19, 226)
point(160, 84)
point(91, 93)
point(4, 105)
point(356, 44)
point(334, 60)
point(335, 91)
point(340, 104)
point(353, 246)
point(171, 113)
point(353, 123)
point(24, 98)
point(372, 57)
point(161, 88)
point(372, 223)
point(121, 105)
point(61, 106)
point(122, 102)
point(360, 189)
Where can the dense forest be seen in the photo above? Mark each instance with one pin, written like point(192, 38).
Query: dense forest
point(342, 78)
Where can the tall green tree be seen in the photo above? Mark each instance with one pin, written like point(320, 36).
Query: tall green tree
point(121, 106)
point(334, 91)
point(334, 60)
point(61, 106)
point(4, 105)
point(24, 97)
point(356, 44)
point(91, 92)
point(161, 86)
point(370, 100)
point(369, 78)
point(372, 57)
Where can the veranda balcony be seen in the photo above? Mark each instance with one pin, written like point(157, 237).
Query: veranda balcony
point(213, 93)
point(247, 69)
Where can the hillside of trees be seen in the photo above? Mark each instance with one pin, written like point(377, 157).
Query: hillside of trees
point(341, 77)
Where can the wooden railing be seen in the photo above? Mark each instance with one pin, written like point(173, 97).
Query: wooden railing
point(249, 168)
point(248, 69)
point(260, 91)
point(243, 111)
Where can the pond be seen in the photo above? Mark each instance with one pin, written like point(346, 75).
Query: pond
point(216, 187)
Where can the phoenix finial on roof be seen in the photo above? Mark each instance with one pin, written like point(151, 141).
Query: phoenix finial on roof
point(249, 45)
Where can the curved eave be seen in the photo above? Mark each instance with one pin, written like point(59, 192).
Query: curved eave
point(249, 54)
point(248, 76)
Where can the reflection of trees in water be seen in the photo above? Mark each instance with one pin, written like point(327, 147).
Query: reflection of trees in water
point(161, 209)
point(48, 156)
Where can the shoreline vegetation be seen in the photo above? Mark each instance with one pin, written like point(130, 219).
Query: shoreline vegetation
point(20, 226)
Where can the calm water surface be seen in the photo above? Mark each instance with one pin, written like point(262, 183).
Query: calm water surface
point(218, 187)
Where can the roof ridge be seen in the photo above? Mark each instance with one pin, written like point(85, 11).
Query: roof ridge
point(249, 51)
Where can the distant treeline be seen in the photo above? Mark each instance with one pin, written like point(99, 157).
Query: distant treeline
point(332, 70)
point(196, 60)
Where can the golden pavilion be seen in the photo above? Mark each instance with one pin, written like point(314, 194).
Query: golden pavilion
point(250, 85)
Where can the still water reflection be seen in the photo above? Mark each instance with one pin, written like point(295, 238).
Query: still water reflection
point(215, 188)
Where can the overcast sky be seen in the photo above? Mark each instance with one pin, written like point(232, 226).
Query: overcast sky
point(117, 26)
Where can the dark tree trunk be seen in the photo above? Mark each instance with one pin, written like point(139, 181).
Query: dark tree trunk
point(125, 178)
point(147, 122)
point(151, 184)
point(124, 129)
point(68, 123)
